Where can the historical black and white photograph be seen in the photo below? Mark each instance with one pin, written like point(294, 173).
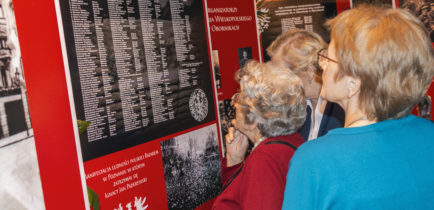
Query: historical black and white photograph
point(278, 16)
point(216, 67)
point(355, 3)
point(20, 182)
point(244, 55)
point(192, 168)
point(424, 10)
point(227, 113)
point(14, 112)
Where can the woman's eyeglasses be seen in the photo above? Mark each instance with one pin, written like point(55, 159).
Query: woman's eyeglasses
point(323, 59)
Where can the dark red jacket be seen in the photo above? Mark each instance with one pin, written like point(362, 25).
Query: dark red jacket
point(261, 182)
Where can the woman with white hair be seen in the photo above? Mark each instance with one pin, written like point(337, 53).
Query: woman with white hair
point(270, 108)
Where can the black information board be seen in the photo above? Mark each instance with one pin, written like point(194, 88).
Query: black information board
point(139, 70)
point(277, 17)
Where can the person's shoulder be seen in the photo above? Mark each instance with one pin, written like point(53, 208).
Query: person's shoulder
point(325, 146)
point(278, 148)
point(418, 126)
point(419, 121)
point(281, 144)
point(262, 158)
point(409, 125)
point(327, 141)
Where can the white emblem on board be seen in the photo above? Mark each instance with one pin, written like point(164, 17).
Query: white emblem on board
point(198, 104)
point(139, 203)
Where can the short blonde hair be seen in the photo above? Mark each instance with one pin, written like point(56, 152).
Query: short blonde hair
point(271, 96)
point(390, 52)
point(297, 49)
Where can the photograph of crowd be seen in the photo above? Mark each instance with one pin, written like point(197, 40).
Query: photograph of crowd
point(227, 113)
point(216, 66)
point(424, 10)
point(192, 168)
point(355, 3)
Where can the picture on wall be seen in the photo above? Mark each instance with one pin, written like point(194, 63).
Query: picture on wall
point(422, 9)
point(192, 168)
point(227, 114)
point(15, 122)
point(216, 67)
point(234, 40)
point(355, 3)
point(244, 55)
point(277, 16)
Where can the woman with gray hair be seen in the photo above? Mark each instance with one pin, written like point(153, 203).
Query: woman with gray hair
point(270, 108)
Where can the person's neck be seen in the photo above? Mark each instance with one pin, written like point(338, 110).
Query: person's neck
point(356, 121)
point(356, 118)
point(354, 115)
point(256, 137)
point(258, 142)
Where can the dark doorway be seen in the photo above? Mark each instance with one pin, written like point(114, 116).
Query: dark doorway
point(15, 117)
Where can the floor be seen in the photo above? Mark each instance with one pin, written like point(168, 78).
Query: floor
point(20, 183)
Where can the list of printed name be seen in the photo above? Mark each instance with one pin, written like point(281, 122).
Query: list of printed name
point(123, 62)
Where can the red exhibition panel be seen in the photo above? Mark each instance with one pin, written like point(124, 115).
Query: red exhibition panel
point(235, 41)
point(130, 164)
point(49, 104)
point(233, 30)
point(125, 165)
